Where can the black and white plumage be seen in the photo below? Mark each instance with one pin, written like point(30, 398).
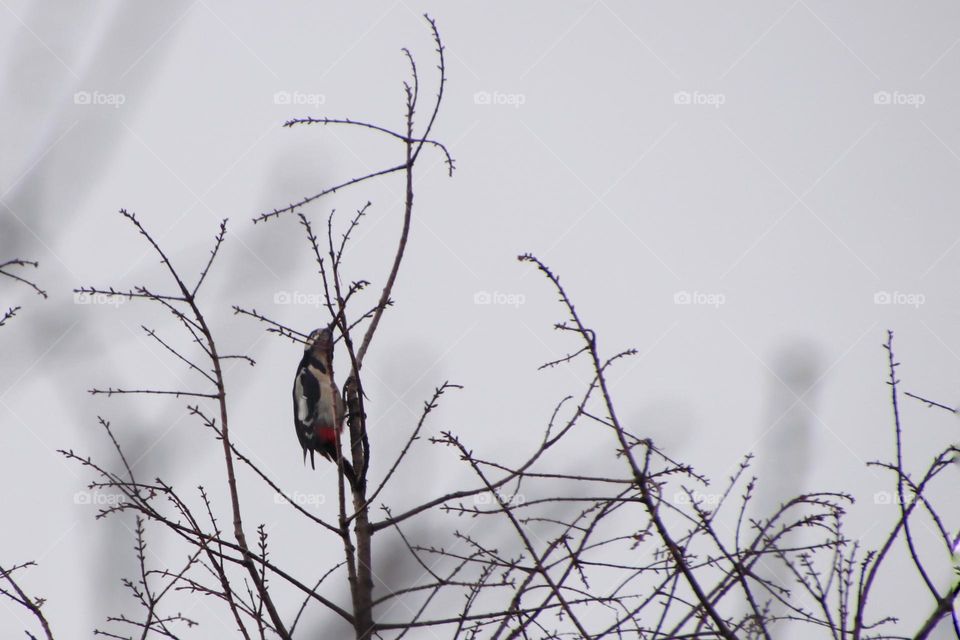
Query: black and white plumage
point(317, 404)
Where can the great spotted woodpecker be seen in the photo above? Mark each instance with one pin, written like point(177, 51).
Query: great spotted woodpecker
point(317, 404)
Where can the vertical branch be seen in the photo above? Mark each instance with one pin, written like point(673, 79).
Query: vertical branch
point(412, 147)
point(358, 550)
point(362, 580)
point(872, 564)
point(249, 558)
point(353, 388)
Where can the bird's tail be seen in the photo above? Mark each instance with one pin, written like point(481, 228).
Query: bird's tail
point(348, 472)
point(331, 452)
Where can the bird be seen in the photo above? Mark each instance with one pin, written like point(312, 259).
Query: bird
point(318, 409)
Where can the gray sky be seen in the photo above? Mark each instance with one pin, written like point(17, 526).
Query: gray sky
point(787, 169)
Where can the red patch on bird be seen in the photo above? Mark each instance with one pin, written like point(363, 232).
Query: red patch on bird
point(324, 433)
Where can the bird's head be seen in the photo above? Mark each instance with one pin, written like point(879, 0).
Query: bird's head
point(320, 343)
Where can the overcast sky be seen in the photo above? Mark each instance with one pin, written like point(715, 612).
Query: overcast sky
point(750, 194)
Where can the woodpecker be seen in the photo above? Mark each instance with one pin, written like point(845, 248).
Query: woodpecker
point(317, 404)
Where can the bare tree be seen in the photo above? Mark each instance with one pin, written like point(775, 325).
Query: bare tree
point(636, 549)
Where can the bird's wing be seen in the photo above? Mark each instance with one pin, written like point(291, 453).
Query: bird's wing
point(306, 396)
point(341, 408)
